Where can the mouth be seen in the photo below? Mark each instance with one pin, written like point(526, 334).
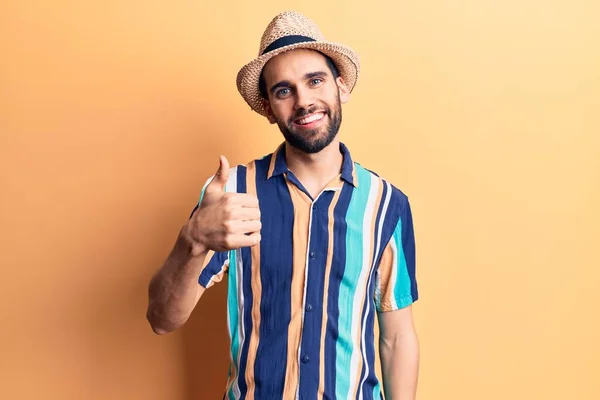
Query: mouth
point(311, 120)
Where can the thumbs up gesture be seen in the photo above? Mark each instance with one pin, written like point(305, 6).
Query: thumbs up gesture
point(225, 221)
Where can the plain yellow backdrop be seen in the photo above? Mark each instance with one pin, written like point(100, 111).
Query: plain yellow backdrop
point(113, 114)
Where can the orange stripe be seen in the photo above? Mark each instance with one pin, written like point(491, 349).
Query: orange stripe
point(354, 176)
point(232, 377)
point(330, 228)
point(256, 293)
point(357, 339)
point(207, 258)
point(302, 206)
point(272, 163)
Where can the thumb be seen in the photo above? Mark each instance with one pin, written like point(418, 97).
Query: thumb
point(221, 177)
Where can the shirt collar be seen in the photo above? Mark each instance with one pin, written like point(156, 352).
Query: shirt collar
point(278, 165)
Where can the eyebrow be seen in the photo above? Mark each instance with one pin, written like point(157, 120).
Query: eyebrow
point(309, 75)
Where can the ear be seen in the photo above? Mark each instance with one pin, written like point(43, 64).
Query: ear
point(269, 111)
point(344, 92)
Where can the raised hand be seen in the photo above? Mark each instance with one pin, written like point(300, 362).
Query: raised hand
point(225, 221)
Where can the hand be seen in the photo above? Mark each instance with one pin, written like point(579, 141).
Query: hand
point(225, 221)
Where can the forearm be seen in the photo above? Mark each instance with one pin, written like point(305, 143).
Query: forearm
point(174, 290)
point(400, 365)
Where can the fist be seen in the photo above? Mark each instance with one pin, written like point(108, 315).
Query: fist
point(225, 221)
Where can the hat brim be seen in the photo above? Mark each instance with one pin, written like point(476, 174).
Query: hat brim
point(345, 59)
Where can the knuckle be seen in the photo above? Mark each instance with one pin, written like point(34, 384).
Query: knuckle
point(229, 226)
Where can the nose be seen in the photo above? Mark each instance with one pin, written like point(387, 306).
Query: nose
point(304, 99)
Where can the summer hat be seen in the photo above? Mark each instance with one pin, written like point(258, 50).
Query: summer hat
point(290, 30)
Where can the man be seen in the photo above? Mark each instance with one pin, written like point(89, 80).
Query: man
point(314, 245)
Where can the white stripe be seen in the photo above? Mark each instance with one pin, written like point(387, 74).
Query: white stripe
point(378, 243)
point(364, 273)
point(231, 185)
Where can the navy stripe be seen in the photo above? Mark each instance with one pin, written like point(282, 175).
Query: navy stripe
point(393, 216)
point(247, 292)
point(313, 319)
point(371, 381)
point(338, 264)
point(276, 263)
point(408, 245)
point(194, 210)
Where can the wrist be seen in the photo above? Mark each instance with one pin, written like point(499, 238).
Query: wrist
point(193, 246)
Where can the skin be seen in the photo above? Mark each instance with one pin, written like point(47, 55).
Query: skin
point(300, 85)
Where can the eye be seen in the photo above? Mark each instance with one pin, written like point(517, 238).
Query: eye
point(283, 92)
point(316, 81)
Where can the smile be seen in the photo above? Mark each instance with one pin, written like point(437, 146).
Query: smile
point(309, 119)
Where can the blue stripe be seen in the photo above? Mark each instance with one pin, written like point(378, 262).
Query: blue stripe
point(313, 319)
point(276, 256)
point(354, 253)
point(408, 246)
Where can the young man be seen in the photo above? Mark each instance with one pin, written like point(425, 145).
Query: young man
point(314, 245)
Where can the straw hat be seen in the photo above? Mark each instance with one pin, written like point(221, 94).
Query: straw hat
point(290, 30)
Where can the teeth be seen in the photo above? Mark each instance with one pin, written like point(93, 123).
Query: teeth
point(311, 118)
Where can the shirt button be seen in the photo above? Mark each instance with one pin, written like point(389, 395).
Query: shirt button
point(312, 254)
point(309, 307)
point(305, 359)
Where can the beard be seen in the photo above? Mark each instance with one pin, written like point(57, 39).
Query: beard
point(315, 140)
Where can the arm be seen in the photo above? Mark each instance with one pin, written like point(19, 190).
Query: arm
point(395, 294)
point(399, 353)
point(174, 290)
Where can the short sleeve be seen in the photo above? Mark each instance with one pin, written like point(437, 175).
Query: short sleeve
point(216, 264)
point(396, 285)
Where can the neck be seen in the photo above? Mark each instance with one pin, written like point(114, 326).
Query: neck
point(316, 170)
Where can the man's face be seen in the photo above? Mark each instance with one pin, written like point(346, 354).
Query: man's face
point(304, 99)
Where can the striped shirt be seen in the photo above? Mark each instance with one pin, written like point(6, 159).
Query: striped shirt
point(301, 305)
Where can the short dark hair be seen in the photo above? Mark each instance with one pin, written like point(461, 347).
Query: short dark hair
point(262, 84)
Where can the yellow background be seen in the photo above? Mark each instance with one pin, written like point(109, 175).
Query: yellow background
point(113, 114)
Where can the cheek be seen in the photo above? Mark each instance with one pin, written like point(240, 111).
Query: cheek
point(281, 111)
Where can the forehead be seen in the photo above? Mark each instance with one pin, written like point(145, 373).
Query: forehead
point(293, 65)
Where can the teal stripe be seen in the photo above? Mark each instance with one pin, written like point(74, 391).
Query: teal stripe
point(354, 256)
point(377, 392)
point(202, 194)
point(232, 308)
point(402, 294)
